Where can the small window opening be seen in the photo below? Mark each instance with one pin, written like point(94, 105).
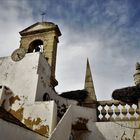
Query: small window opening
point(46, 97)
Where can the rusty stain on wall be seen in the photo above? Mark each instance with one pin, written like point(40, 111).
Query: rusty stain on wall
point(81, 124)
point(18, 113)
point(34, 124)
point(13, 99)
point(44, 130)
point(29, 122)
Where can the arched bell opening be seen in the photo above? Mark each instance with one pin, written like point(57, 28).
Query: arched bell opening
point(36, 46)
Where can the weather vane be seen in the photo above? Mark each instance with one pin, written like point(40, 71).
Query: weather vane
point(43, 15)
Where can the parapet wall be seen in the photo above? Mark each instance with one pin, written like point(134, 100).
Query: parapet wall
point(128, 130)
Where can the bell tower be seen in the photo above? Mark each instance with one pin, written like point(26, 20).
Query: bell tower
point(42, 37)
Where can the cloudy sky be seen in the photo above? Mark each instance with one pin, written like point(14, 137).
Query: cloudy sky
point(105, 31)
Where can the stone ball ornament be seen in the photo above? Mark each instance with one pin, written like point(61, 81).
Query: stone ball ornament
point(18, 54)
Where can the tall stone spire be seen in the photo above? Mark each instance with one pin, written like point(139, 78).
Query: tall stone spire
point(89, 86)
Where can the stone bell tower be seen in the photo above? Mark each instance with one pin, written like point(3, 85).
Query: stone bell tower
point(43, 37)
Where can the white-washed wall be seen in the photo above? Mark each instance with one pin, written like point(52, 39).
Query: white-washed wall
point(38, 116)
point(74, 115)
point(29, 80)
point(63, 129)
point(21, 77)
point(84, 112)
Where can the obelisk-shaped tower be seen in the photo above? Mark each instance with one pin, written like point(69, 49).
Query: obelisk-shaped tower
point(89, 86)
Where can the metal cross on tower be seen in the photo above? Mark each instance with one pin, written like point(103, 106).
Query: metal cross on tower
point(43, 15)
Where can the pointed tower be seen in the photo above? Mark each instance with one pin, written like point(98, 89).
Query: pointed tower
point(89, 86)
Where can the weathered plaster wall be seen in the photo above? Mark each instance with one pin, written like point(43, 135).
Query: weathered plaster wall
point(9, 131)
point(62, 103)
point(21, 77)
point(29, 79)
point(44, 74)
point(84, 125)
point(26, 82)
point(44, 87)
point(113, 131)
point(63, 129)
point(76, 117)
point(38, 116)
point(88, 113)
